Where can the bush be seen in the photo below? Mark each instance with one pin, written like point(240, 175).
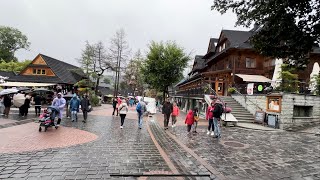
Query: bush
point(232, 90)
point(95, 101)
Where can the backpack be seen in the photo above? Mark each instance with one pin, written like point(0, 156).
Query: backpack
point(219, 110)
point(138, 108)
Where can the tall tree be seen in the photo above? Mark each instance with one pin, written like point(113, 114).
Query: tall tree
point(288, 29)
point(119, 52)
point(95, 62)
point(11, 40)
point(14, 66)
point(133, 74)
point(164, 65)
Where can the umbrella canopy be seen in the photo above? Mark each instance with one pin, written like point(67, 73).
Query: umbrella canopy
point(23, 89)
point(18, 100)
point(41, 89)
point(9, 91)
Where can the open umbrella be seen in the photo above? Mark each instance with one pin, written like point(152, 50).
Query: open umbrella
point(41, 89)
point(18, 100)
point(9, 91)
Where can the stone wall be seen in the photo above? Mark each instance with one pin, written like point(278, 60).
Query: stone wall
point(252, 103)
point(286, 117)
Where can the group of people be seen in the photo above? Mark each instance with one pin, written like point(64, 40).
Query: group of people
point(213, 116)
point(121, 107)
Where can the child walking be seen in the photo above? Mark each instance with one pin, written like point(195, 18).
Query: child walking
point(175, 114)
point(189, 120)
point(196, 119)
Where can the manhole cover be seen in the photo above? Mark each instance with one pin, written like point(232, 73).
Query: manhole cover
point(234, 144)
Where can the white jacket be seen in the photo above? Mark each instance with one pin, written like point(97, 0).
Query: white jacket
point(123, 108)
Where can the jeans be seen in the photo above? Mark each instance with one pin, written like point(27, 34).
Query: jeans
point(174, 119)
point(85, 114)
point(195, 125)
point(189, 128)
point(37, 108)
point(122, 116)
point(211, 125)
point(166, 120)
point(114, 109)
point(74, 115)
point(140, 119)
point(216, 127)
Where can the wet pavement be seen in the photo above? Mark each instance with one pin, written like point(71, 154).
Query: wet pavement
point(133, 153)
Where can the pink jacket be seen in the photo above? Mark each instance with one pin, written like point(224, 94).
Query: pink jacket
point(176, 111)
point(209, 114)
point(189, 118)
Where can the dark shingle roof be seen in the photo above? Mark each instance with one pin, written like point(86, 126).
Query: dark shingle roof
point(238, 38)
point(8, 74)
point(35, 78)
point(67, 73)
point(199, 63)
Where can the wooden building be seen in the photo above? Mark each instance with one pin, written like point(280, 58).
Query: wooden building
point(231, 61)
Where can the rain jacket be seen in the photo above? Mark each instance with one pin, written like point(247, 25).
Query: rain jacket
point(189, 118)
point(74, 103)
point(175, 111)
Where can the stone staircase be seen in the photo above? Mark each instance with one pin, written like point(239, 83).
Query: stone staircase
point(238, 111)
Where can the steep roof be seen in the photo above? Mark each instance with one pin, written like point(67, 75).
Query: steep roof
point(199, 63)
point(8, 74)
point(67, 73)
point(238, 39)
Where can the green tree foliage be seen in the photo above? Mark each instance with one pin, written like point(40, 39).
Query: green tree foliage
point(289, 82)
point(133, 73)
point(288, 28)
point(11, 40)
point(107, 80)
point(316, 81)
point(164, 65)
point(14, 66)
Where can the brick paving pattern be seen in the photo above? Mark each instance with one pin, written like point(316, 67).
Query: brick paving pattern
point(127, 151)
point(264, 155)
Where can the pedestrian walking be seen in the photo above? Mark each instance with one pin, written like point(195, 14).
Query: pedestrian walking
point(85, 103)
point(166, 111)
point(114, 105)
point(175, 114)
point(217, 112)
point(37, 104)
point(7, 104)
point(196, 119)
point(141, 108)
point(119, 101)
point(209, 118)
point(1, 105)
point(123, 109)
point(74, 107)
point(25, 107)
point(189, 120)
point(59, 102)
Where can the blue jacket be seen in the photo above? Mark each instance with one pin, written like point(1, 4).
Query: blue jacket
point(74, 104)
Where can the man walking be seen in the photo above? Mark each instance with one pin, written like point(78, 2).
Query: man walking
point(114, 105)
point(167, 109)
point(7, 104)
point(141, 108)
point(74, 107)
point(85, 107)
point(217, 112)
point(37, 104)
point(59, 102)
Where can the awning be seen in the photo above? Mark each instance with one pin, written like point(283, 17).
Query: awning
point(253, 78)
point(26, 84)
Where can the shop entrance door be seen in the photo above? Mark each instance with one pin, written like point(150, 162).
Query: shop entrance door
point(219, 88)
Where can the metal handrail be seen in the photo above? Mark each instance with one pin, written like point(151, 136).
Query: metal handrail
point(255, 104)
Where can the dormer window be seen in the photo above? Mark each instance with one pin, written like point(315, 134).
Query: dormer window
point(39, 72)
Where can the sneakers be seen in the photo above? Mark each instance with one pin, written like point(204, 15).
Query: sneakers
point(121, 127)
point(212, 133)
point(208, 132)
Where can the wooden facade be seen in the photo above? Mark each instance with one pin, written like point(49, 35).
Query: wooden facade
point(228, 56)
point(38, 67)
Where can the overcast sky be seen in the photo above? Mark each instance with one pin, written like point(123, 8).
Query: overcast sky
point(59, 28)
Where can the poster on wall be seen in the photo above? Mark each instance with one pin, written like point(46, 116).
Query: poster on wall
point(250, 88)
point(274, 104)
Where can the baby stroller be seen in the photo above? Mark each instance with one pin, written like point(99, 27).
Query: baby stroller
point(48, 117)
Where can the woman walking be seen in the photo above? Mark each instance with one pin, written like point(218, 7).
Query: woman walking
point(123, 109)
point(175, 114)
point(209, 117)
point(189, 120)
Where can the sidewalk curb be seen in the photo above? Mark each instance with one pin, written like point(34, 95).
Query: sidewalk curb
point(17, 123)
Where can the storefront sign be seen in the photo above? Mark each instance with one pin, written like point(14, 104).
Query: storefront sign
point(250, 88)
point(259, 117)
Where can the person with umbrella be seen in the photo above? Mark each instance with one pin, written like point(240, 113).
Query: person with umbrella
point(25, 107)
point(59, 102)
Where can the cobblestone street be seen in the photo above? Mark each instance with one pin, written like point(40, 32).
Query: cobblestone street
point(132, 153)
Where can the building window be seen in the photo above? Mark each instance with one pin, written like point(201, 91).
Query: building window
point(302, 111)
point(250, 63)
point(39, 72)
point(43, 71)
point(34, 71)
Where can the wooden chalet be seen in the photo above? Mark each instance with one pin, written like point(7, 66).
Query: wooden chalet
point(231, 61)
point(47, 70)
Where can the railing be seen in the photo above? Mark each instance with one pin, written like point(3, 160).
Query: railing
point(255, 104)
